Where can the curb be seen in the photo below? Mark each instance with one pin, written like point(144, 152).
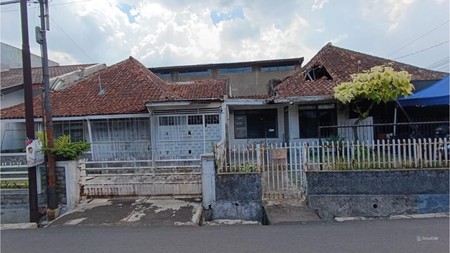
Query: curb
point(395, 217)
point(18, 226)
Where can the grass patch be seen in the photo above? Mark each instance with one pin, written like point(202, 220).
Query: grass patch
point(14, 185)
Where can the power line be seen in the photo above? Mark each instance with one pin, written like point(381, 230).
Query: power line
point(421, 36)
point(443, 68)
point(439, 63)
point(70, 38)
point(52, 5)
point(428, 48)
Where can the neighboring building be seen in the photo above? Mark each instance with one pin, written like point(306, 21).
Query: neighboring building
point(12, 93)
point(11, 57)
point(244, 78)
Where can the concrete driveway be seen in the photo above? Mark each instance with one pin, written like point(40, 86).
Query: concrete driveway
point(132, 211)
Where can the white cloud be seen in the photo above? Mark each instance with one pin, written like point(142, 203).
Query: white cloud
point(178, 32)
point(396, 10)
point(392, 11)
point(318, 4)
point(61, 57)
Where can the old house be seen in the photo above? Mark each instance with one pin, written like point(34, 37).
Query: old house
point(111, 108)
point(304, 101)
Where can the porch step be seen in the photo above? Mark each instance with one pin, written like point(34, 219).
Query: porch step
point(141, 178)
point(97, 188)
point(288, 211)
point(143, 170)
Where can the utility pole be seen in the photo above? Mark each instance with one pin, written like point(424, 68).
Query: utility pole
point(29, 113)
point(41, 38)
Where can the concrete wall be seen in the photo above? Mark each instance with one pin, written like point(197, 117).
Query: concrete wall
point(11, 57)
point(254, 82)
point(15, 202)
point(238, 196)
point(378, 193)
point(68, 178)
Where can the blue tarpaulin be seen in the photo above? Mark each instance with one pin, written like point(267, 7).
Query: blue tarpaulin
point(436, 94)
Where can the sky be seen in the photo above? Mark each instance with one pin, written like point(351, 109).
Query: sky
point(182, 32)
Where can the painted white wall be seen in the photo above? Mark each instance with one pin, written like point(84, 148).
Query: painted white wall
point(294, 130)
point(72, 171)
point(11, 57)
point(12, 98)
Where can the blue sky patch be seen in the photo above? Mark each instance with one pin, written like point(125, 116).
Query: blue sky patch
point(126, 8)
point(218, 16)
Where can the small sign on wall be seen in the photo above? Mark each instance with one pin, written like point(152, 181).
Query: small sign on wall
point(35, 154)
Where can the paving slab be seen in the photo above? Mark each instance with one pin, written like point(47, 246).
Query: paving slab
point(137, 211)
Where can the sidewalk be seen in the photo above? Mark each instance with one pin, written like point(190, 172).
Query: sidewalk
point(132, 211)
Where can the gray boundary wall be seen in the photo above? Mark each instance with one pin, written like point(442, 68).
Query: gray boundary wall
point(230, 196)
point(377, 193)
point(238, 196)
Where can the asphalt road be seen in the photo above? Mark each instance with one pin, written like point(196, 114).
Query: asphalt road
point(406, 235)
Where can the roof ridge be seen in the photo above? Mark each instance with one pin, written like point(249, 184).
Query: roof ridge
point(330, 46)
point(158, 82)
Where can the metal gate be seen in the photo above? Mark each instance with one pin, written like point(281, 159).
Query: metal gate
point(281, 167)
point(181, 137)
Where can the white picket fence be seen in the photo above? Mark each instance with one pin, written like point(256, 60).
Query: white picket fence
point(379, 154)
point(282, 166)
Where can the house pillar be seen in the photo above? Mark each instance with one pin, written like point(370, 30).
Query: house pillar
point(208, 180)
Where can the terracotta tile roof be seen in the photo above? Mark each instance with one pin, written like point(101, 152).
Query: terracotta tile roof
point(14, 77)
point(200, 89)
point(127, 85)
point(340, 63)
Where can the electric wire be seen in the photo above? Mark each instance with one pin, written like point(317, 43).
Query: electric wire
point(421, 36)
point(70, 38)
point(439, 63)
point(420, 51)
point(52, 5)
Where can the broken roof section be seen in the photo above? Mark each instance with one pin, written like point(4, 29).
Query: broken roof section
point(123, 88)
point(333, 65)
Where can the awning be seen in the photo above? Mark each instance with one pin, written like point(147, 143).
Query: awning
point(436, 94)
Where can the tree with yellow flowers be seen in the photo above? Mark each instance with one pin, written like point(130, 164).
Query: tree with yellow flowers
point(380, 84)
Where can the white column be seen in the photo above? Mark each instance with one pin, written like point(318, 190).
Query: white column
point(208, 180)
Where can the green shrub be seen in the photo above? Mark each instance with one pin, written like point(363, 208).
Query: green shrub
point(64, 149)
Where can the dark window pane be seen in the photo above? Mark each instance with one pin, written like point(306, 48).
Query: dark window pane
point(212, 119)
point(195, 120)
point(252, 124)
point(313, 116)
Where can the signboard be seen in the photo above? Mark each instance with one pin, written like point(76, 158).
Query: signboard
point(35, 155)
